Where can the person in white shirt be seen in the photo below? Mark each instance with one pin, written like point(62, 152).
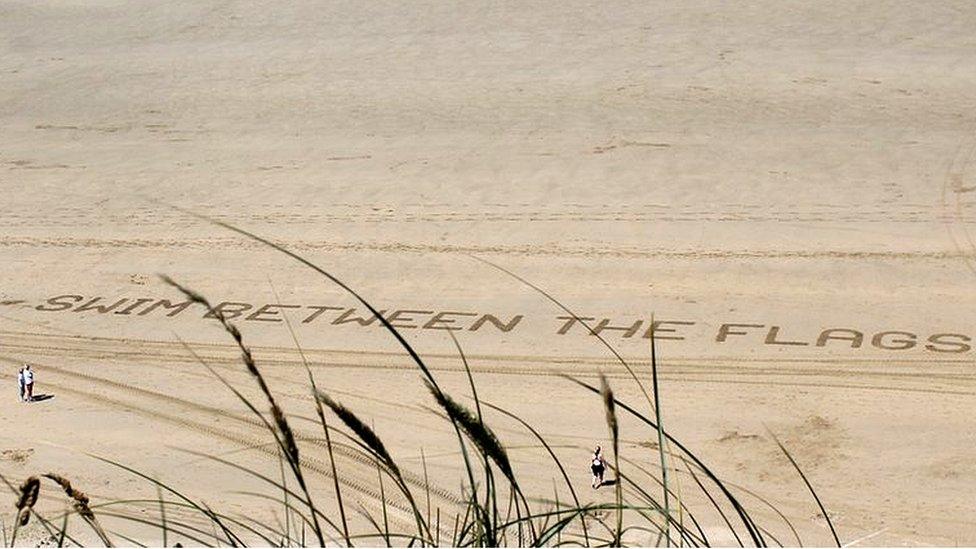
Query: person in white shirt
point(20, 383)
point(28, 383)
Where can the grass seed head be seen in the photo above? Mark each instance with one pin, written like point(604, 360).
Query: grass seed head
point(363, 431)
point(477, 431)
point(609, 405)
point(29, 491)
point(286, 433)
point(81, 500)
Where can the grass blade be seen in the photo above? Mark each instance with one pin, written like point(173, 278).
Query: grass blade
point(655, 387)
point(285, 436)
point(321, 417)
point(813, 492)
point(614, 428)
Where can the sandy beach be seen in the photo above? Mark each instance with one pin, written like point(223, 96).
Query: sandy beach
point(786, 190)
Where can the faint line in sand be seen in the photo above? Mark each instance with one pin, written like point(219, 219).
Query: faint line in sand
point(140, 393)
point(688, 372)
point(548, 250)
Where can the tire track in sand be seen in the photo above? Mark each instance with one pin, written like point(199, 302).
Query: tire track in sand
point(954, 218)
point(916, 375)
point(524, 250)
point(366, 467)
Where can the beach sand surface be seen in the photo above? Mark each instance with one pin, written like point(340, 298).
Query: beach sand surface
point(787, 190)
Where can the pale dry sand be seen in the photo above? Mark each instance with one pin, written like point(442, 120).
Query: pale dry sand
point(806, 167)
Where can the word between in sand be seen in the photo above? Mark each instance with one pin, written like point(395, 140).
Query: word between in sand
point(667, 330)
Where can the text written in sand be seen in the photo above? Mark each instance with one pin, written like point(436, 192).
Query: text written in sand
point(758, 333)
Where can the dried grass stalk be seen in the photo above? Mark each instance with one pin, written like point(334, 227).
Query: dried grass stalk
point(287, 436)
point(383, 457)
point(609, 406)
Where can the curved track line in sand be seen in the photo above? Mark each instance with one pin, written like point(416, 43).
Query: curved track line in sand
point(380, 213)
point(607, 251)
point(8, 337)
point(914, 376)
point(368, 467)
point(362, 487)
point(955, 182)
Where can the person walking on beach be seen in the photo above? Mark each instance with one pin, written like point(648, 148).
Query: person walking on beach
point(20, 383)
point(28, 383)
point(598, 466)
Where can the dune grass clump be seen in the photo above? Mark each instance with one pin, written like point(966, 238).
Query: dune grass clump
point(28, 494)
point(492, 510)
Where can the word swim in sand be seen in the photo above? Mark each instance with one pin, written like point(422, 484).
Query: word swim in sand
point(273, 312)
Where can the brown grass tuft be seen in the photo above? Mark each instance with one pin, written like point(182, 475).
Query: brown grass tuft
point(29, 492)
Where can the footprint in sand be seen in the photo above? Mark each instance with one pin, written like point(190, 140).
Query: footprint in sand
point(16, 455)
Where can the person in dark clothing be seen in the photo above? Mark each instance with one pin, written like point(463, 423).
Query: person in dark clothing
point(598, 466)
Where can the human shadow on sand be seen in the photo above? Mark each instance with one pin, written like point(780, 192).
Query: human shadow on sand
point(39, 398)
